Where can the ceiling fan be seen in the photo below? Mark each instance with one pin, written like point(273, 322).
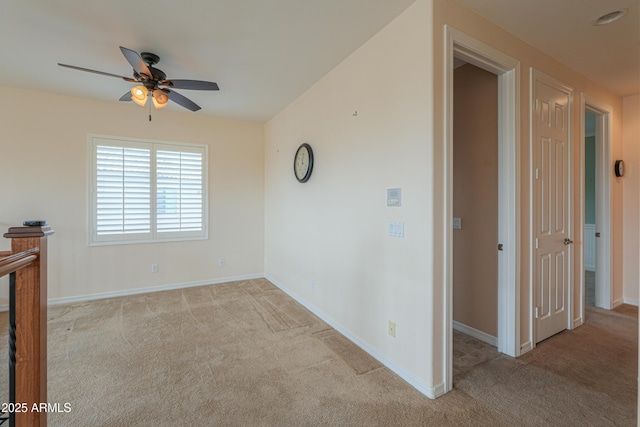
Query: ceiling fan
point(152, 81)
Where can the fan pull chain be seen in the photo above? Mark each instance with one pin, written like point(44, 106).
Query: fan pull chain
point(149, 102)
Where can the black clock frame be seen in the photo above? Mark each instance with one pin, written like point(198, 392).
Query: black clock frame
point(307, 175)
point(619, 168)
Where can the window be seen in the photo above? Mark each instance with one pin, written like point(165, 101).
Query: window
point(144, 191)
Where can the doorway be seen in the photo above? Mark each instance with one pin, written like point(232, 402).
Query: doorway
point(596, 126)
point(590, 232)
point(475, 214)
point(507, 70)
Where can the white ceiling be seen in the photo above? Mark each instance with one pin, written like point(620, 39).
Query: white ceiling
point(265, 53)
point(609, 54)
point(262, 53)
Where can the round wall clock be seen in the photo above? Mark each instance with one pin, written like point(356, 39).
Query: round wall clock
point(303, 163)
point(619, 168)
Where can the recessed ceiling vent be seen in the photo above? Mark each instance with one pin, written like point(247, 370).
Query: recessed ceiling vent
point(610, 17)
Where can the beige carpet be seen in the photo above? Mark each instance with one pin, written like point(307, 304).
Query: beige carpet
point(245, 354)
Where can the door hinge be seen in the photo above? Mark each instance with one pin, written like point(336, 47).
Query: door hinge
point(597, 234)
point(537, 103)
point(536, 312)
point(537, 170)
point(536, 243)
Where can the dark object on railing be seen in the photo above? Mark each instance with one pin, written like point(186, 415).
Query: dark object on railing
point(27, 266)
point(36, 223)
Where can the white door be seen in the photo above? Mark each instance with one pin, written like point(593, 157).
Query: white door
point(551, 209)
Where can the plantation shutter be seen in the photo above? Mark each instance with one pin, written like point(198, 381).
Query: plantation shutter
point(145, 191)
point(179, 191)
point(123, 190)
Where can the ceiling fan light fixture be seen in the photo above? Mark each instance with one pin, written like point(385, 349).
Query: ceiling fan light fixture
point(159, 98)
point(609, 17)
point(139, 95)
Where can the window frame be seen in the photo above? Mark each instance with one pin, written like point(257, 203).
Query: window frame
point(153, 236)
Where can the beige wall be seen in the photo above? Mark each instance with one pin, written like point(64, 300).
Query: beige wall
point(43, 148)
point(326, 240)
point(631, 194)
point(449, 12)
point(475, 199)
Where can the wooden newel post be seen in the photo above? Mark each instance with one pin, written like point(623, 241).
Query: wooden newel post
point(31, 324)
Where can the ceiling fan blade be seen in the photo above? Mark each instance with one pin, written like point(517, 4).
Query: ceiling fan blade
point(181, 100)
point(73, 67)
point(136, 61)
point(126, 97)
point(191, 84)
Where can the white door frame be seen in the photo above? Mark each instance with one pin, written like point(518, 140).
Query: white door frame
point(604, 279)
point(463, 46)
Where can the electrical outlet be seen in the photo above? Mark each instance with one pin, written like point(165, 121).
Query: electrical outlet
point(392, 328)
point(154, 268)
point(221, 262)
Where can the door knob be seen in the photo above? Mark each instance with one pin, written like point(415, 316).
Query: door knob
point(598, 234)
point(567, 241)
point(499, 246)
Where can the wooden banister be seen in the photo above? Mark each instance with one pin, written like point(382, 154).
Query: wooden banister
point(30, 319)
point(14, 262)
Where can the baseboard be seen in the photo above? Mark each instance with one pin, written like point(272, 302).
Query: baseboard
point(630, 301)
point(616, 303)
point(136, 291)
point(473, 332)
point(525, 348)
point(577, 322)
point(415, 382)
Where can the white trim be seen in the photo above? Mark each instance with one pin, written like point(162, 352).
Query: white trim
point(577, 322)
point(617, 303)
point(630, 301)
point(461, 45)
point(526, 347)
point(475, 333)
point(136, 291)
point(604, 274)
point(417, 383)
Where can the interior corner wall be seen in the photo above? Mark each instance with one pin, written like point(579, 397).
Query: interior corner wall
point(449, 12)
point(631, 195)
point(44, 175)
point(475, 199)
point(368, 122)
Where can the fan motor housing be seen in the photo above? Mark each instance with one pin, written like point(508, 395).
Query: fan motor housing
point(151, 59)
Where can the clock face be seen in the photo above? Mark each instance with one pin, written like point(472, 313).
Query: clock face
point(303, 163)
